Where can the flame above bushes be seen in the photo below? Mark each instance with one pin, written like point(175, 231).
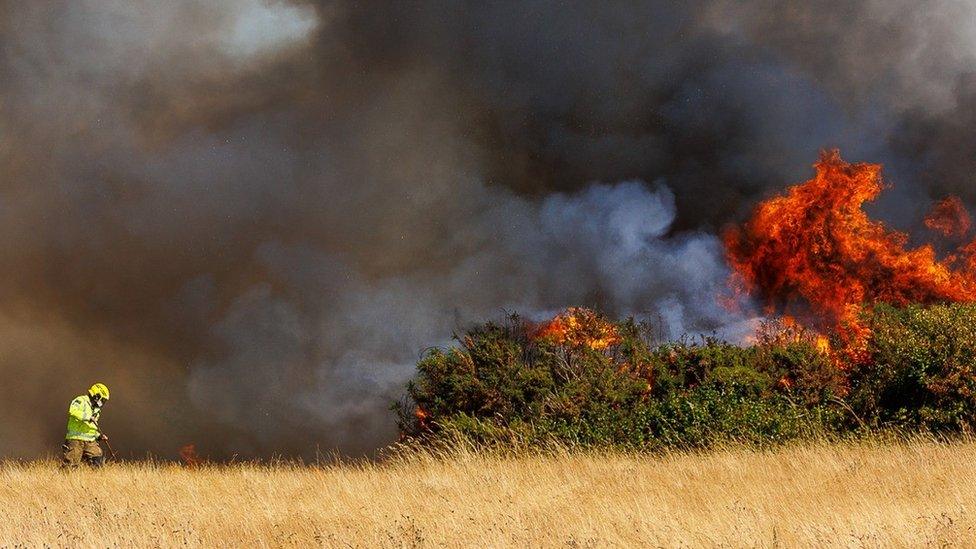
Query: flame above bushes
point(814, 252)
point(579, 327)
point(949, 218)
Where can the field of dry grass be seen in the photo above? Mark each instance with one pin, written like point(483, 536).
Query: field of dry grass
point(907, 494)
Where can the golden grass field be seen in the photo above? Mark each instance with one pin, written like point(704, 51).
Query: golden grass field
point(919, 493)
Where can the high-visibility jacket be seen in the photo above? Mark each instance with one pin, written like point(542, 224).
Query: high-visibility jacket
point(82, 420)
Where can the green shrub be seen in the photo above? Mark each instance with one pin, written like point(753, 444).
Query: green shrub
point(919, 368)
point(503, 384)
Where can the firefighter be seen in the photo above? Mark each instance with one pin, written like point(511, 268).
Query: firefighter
point(81, 442)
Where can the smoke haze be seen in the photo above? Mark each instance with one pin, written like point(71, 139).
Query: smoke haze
point(250, 217)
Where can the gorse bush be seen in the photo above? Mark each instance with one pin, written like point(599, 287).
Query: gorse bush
point(920, 370)
point(514, 383)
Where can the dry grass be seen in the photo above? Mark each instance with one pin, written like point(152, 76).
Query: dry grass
point(908, 494)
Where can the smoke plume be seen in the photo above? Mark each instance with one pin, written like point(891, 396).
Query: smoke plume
point(250, 217)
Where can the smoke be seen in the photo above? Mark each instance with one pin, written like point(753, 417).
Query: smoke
point(250, 218)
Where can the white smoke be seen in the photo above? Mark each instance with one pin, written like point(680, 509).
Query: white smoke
point(338, 358)
point(264, 26)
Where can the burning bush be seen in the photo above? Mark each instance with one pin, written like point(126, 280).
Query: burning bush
point(512, 382)
point(578, 327)
point(508, 383)
point(508, 375)
point(894, 346)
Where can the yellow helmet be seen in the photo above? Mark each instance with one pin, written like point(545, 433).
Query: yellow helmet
point(99, 389)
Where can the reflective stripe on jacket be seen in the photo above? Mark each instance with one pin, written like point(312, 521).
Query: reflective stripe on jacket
point(82, 420)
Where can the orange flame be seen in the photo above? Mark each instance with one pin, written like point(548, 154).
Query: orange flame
point(822, 344)
point(949, 218)
point(784, 330)
point(815, 251)
point(188, 454)
point(422, 417)
point(579, 327)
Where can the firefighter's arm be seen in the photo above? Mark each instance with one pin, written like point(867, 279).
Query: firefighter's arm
point(94, 422)
point(78, 410)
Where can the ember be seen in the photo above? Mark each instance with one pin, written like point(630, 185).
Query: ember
point(422, 417)
point(189, 455)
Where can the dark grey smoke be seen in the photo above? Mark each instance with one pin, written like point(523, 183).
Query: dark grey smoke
point(250, 217)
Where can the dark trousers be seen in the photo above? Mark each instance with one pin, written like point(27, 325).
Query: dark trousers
point(76, 452)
